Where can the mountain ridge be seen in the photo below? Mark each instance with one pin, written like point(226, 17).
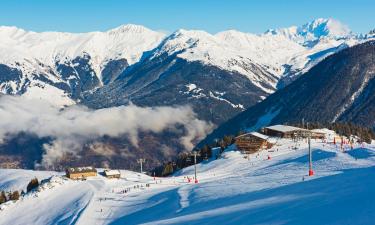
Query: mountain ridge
point(55, 55)
point(338, 89)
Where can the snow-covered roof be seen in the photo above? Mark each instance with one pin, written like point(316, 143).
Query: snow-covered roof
point(111, 172)
point(283, 128)
point(256, 134)
point(259, 135)
point(323, 131)
point(81, 169)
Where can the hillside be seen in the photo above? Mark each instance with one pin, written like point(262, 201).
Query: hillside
point(338, 89)
point(232, 188)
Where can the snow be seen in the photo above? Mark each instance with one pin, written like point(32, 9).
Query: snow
point(127, 41)
point(262, 58)
point(265, 119)
point(324, 131)
point(191, 87)
point(353, 97)
point(283, 128)
point(265, 137)
point(314, 30)
point(240, 106)
point(233, 189)
point(12, 179)
point(37, 53)
point(112, 172)
point(256, 134)
point(49, 94)
point(226, 52)
point(298, 47)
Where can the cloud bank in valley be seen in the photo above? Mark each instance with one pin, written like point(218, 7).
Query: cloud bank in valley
point(72, 126)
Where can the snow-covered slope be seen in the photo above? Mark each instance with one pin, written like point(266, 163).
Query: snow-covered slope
point(231, 189)
point(314, 30)
point(284, 52)
point(232, 51)
point(127, 41)
point(53, 61)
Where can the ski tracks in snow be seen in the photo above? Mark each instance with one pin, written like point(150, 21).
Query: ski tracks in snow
point(184, 193)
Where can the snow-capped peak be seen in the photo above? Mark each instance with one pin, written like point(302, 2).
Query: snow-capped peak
point(313, 31)
point(325, 27)
point(129, 28)
point(127, 41)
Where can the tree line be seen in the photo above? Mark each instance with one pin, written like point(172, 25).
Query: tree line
point(185, 159)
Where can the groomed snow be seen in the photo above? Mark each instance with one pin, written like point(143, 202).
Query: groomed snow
point(232, 189)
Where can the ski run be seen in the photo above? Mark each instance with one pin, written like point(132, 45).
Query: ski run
point(269, 187)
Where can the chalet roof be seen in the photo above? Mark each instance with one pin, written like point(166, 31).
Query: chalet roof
point(322, 131)
point(259, 135)
point(81, 169)
point(112, 172)
point(256, 134)
point(284, 128)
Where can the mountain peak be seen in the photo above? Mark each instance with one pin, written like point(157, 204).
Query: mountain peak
point(129, 28)
point(325, 27)
point(11, 30)
point(314, 30)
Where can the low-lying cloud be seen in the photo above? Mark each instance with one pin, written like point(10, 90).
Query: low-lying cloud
point(72, 126)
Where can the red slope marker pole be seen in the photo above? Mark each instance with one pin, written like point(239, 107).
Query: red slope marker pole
point(311, 172)
point(195, 167)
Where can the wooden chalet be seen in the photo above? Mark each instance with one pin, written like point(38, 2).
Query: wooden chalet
point(112, 174)
point(77, 173)
point(317, 134)
point(284, 131)
point(252, 142)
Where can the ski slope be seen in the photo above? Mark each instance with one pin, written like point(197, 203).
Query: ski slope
point(231, 190)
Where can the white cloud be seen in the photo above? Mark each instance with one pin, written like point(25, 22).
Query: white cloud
point(74, 125)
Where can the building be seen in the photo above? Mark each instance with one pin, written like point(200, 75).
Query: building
point(252, 142)
point(285, 131)
point(318, 134)
point(76, 173)
point(112, 173)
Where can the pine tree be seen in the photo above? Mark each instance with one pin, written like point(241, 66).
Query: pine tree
point(3, 197)
point(14, 196)
point(34, 183)
point(206, 151)
point(168, 169)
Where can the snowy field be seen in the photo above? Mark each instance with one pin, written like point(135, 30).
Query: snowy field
point(231, 190)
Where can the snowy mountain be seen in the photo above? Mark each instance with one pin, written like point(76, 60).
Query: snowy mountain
point(312, 32)
point(258, 190)
point(127, 41)
point(65, 64)
point(268, 61)
point(341, 88)
point(217, 75)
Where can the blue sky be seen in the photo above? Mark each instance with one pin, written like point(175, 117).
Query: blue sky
point(254, 16)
